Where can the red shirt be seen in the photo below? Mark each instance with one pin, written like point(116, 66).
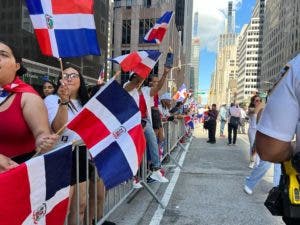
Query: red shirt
point(143, 106)
point(16, 137)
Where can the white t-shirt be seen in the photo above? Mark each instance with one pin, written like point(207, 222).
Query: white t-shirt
point(280, 117)
point(51, 103)
point(148, 99)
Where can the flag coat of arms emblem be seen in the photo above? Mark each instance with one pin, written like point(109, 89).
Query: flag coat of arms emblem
point(141, 62)
point(110, 126)
point(157, 33)
point(37, 191)
point(64, 28)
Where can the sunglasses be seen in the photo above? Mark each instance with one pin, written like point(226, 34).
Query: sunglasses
point(257, 100)
point(72, 76)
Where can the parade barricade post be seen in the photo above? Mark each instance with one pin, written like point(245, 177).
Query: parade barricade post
point(175, 132)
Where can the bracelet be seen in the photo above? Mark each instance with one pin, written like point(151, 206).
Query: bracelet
point(62, 103)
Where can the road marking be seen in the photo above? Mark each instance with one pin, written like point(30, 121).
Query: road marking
point(246, 140)
point(158, 215)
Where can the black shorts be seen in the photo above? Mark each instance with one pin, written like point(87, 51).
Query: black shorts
point(82, 165)
point(22, 158)
point(156, 120)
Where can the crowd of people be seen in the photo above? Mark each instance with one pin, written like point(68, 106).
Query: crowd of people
point(41, 121)
point(236, 117)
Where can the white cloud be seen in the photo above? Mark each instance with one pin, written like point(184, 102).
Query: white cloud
point(212, 20)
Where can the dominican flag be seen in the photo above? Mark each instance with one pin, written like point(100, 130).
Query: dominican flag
point(157, 33)
point(110, 126)
point(188, 121)
point(141, 62)
point(37, 191)
point(64, 28)
point(181, 94)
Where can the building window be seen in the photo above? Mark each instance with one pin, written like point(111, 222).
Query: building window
point(128, 4)
point(126, 29)
point(144, 27)
point(26, 22)
point(147, 3)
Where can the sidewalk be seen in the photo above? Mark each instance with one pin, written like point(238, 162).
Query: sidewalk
point(209, 190)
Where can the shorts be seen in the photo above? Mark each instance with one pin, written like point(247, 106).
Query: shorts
point(82, 165)
point(24, 157)
point(156, 120)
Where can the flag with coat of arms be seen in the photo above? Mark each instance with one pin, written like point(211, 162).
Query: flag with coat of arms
point(37, 191)
point(64, 28)
point(140, 63)
point(157, 33)
point(110, 126)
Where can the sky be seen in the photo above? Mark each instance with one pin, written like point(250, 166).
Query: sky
point(211, 25)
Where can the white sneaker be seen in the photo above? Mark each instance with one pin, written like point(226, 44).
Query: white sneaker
point(136, 184)
point(248, 190)
point(156, 175)
point(251, 165)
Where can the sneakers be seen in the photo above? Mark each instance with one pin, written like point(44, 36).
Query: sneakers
point(151, 181)
point(136, 184)
point(228, 144)
point(156, 175)
point(251, 165)
point(248, 190)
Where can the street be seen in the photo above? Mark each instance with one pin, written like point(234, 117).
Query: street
point(209, 190)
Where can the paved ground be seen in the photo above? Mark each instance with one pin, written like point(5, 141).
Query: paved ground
point(208, 191)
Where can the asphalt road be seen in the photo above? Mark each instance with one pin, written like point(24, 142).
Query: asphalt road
point(207, 191)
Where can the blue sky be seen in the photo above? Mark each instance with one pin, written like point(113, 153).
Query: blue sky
point(211, 23)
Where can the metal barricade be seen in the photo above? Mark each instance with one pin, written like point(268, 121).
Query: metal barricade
point(99, 205)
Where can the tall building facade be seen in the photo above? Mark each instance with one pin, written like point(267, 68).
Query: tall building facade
point(230, 20)
point(195, 54)
point(16, 30)
point(188, 72)
point(249, 56)
point(281, 39)
point(224, 89)
point(132, 20)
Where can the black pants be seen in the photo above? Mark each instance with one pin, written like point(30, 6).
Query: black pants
point(230, 130)
point(290, 221)
point(212, 131)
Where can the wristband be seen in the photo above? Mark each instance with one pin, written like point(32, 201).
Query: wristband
point(62, 103)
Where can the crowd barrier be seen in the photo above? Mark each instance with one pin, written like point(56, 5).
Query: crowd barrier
point(175, 132)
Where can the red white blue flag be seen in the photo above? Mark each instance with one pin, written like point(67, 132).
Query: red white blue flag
point(110, 126)
point(188, 121)
point(141, 62)
point(157, 33)
point(181, 94)
point(37, 191)
point(64, 28)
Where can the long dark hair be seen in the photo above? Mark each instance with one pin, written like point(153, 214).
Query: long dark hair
point(252, 105)
point(83, 96)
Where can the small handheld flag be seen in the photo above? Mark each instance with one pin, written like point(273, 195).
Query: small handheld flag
point(157, 33)
point(141, 62)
